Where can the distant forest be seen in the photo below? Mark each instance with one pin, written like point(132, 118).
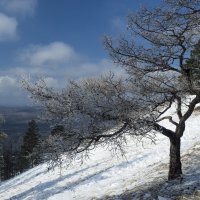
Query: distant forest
point(16, 119)
point(24, 133)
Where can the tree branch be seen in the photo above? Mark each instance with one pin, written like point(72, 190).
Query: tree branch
point(166, 132)
point(170, 119)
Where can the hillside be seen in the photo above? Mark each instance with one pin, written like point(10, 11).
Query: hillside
point(142, 174)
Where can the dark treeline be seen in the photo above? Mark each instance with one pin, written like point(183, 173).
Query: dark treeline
point(15, 159)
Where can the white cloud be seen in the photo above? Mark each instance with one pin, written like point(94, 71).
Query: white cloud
point(51, 82)
point(56, 63)
point(87, 69)
point(21, 7)
point(6, 81)
point(11, 93)
point(48, 55)
point(8, 28)
point(118, 24)
point(59, 59)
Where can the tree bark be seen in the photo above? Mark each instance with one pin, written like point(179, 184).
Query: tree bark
point(175, 166)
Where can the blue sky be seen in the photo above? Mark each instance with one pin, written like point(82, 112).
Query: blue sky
point(57, 40)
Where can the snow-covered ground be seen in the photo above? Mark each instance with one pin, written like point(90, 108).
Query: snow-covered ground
point(103, 175)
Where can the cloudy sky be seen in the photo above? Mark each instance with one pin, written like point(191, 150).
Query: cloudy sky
point(57, 40)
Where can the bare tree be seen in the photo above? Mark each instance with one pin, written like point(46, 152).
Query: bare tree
point(159, 43)
point(106, 110)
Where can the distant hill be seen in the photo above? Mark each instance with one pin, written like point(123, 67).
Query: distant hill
point(17, 118)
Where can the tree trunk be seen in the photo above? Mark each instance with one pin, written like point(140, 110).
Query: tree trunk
point(175, 167)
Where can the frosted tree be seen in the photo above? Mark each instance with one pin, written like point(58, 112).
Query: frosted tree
point(108, 109)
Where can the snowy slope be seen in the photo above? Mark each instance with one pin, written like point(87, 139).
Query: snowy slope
point(102, 175)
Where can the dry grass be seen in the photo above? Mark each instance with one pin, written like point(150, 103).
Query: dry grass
point(197, 109)
point(194, 196)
